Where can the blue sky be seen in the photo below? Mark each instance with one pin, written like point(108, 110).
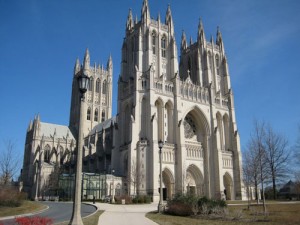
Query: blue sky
point(40, 41)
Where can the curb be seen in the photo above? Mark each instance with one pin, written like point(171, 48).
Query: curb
point(26, 214)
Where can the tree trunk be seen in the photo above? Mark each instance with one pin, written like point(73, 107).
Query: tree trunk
point(274, 188)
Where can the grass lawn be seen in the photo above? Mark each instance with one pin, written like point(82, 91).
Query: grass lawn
point(91, 220)
point(26, 207)
point(278, 214)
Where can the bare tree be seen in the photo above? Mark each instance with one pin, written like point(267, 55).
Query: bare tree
point(54, 179)
point(251, 171)
point(9, 163)
point(296, 158)
point(136, 176)
point(257, 149)
point(277, 156)
point(297, 150)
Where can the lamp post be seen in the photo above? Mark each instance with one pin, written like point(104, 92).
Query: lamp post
point(83, 84)
point(113, 187)
point(36, 198)
point(160, 205)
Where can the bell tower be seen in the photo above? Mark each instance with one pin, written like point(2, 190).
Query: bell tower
point(98, 104)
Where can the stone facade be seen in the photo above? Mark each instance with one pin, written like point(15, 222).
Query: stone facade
point(186, 103)
point(46, 145)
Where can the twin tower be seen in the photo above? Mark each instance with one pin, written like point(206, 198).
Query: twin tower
point(187, 103)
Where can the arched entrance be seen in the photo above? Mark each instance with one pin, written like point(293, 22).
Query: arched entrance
point(228, 184)
point(194, 181)
point(168, 181)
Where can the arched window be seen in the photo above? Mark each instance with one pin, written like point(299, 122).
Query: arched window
point(103, 116)
point(153, 43)
point(47, 154)
point(91, 85)
point(104, 87)
point(98, 85)
point(163, 47)
point(88, 114)
point(96, 115)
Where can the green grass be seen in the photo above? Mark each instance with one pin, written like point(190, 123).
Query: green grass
point(26, 207)
point(90, 220)
point(288, 214)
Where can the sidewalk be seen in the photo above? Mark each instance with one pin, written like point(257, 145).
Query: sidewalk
point(125, 214)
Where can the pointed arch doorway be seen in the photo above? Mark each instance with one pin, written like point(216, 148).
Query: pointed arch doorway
point(168, 181)
point(194, 181)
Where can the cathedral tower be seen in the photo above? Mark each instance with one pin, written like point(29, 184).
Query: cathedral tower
point(189, 105)
point(98, 103)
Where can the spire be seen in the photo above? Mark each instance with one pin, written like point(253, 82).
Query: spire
point(77, 66)
point(201, 35)
point(158, 17)
point(109, 64)
point(145, 12)
point(86, 60)
point(191, 40)
point(219, 40)
point(219, 36)
point(169, 20)
point(129, 23)
point(183, 41)
point(29, 126)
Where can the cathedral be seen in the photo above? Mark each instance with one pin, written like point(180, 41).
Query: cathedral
point(186, 102)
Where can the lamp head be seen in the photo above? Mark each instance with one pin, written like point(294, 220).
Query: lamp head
point(83, 83)
point(160, 144)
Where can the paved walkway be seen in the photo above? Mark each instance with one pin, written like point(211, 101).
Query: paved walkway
point(125, 214)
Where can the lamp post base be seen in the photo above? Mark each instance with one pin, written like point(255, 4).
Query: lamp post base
point(160, 208)
point(76, 221)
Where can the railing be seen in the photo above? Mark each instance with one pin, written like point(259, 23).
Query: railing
point(223, 101)
point(194, 150)
point(194, 92)
point(168, 153)
point(227, 159)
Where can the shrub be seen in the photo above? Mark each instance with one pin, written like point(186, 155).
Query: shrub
point(208, 206)
point(186, 205)
point(11, 197)
point(128, 200)
point(33, 221)
point(141, 199)
point(182, 205)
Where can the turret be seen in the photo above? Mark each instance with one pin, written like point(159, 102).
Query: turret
point(129, 22)
point(183, 42)
point(169, 20)
point(86, 60)
point(145, 15)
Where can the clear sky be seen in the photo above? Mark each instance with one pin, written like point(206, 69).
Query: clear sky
point(40, 41)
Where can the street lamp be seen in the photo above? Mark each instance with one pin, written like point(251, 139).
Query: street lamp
point(160, 205)
point(83, 84)
point(113, 186)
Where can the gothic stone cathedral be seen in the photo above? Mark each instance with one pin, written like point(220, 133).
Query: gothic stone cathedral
point(187, 103)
